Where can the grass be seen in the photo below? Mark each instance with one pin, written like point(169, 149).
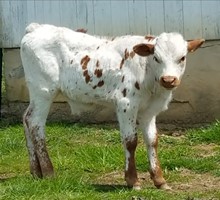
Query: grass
point(89, 163)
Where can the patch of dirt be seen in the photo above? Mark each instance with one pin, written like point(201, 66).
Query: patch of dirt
point(4, 177)
point(197, 182)
point(187, 181)
point(112, 178)
point(206, 150)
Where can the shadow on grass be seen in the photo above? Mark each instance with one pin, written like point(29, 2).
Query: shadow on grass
point(109, 188)
point(5, 123)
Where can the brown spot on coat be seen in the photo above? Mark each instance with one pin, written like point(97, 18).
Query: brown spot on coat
point(131, 173)
point(85, 61)
point(87, 78)
point(98, 73)
point(132, 54)
point(156, 173)
point(137, 85)
point(85, 73)
point(81, 30)
point(97, 47)
point(126, 56)
point(131, 144)
point(123, 78)
point(41, 155)
point(122, 62)
point(97, 63)
point(27, 115)
point(100, 83)
point(124, 92)
point(149, 37)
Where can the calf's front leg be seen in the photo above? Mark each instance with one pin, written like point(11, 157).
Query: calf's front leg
point(131, 178)
point(127, 122)
point(151, 140)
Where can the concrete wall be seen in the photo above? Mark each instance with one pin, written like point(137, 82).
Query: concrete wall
point(197, 100)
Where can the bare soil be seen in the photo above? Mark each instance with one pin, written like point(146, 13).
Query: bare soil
point(186, 181)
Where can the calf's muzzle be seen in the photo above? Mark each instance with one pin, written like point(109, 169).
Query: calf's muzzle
point(169, 82)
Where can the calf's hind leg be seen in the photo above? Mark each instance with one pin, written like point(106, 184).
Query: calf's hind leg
point(34, 120)
point(34, 162)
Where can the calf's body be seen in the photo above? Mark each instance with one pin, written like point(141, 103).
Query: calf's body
point(134, 74)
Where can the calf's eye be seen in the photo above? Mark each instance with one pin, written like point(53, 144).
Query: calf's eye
point(155, 58)
point(182, 59)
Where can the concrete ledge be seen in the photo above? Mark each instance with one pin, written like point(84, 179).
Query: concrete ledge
point(60, 112)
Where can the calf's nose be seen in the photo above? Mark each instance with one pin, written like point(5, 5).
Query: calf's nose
point(169, 82)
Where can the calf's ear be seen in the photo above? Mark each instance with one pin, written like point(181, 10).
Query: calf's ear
point(194, 44)
point(144, 49)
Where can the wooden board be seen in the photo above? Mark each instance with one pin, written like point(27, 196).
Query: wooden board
point(194, 19)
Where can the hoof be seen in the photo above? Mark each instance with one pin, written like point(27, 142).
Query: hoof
point(136, 187)
point(36, 175)
point(164, 187)
point(49, 175)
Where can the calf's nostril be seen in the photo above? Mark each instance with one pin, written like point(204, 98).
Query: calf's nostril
point(168, 79)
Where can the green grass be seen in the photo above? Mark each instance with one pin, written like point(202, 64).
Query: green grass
point(89, 162)
point(206, 135)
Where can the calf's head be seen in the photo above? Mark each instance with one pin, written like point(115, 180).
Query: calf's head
point(169, 57)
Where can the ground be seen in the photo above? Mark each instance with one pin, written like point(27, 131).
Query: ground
point(89, 163)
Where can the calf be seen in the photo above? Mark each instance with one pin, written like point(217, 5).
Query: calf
point(135, 74)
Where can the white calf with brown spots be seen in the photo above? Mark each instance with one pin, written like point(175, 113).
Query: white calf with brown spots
point(135, 74)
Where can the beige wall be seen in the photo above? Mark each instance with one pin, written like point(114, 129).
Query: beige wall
point(197, 100)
